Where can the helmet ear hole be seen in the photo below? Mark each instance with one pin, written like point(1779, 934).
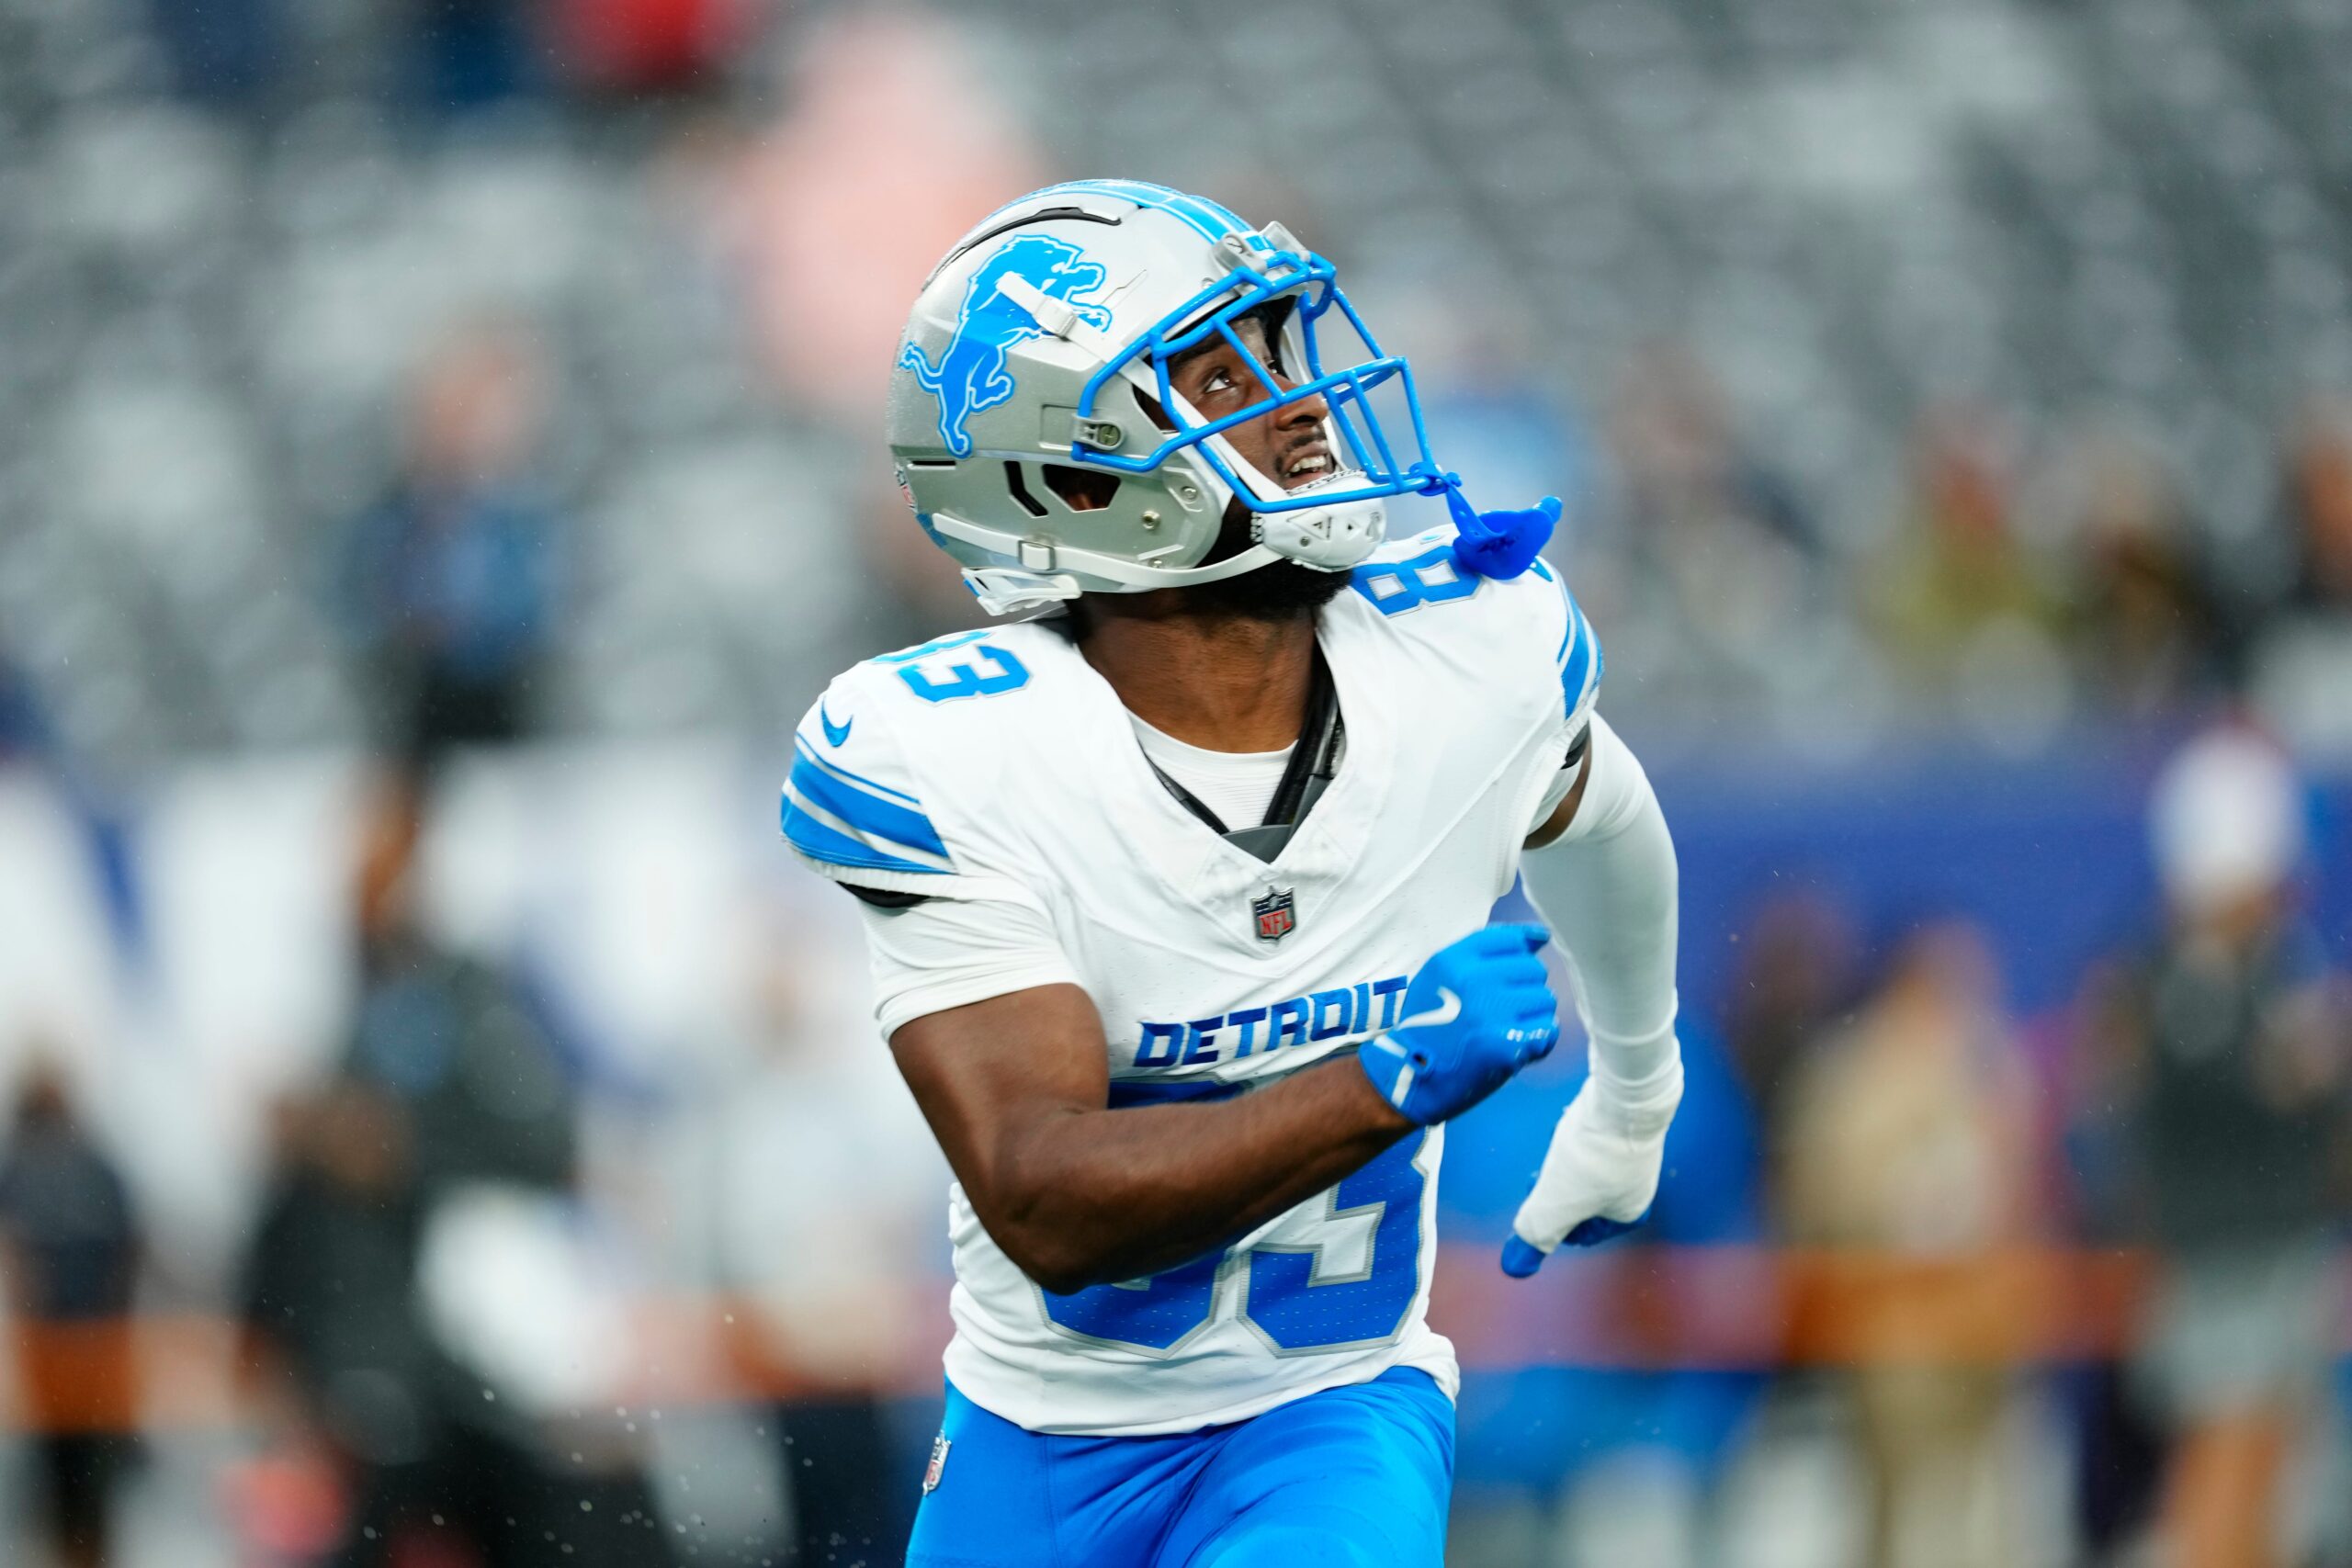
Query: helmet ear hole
point(1081, 490)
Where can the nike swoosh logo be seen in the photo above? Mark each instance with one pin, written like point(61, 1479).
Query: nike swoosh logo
point(1448, 1008)
point(834, 733)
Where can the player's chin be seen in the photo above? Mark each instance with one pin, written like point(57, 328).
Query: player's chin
point(1276, 591)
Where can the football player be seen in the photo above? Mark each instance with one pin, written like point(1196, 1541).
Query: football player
point(1178, 890)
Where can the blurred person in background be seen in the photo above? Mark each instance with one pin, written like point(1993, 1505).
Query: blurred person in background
point(2236, 1038)
point(69, 1238)
point(448, 1095)
point(432, 1470)
point(1957, 581)
point(1797, 972)
point(327, 1296)
point(2122, 1452)
point(1911, 1136)
point(481, 1085)
point(2293, 591)
point(449, 586)
point(2143, 618)
point(360, 1385)
point(2315, 510)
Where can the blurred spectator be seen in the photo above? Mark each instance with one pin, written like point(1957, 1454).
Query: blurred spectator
point(1911, 1134)
point(1958, 599)
point(327, 1286)
point(436, 1470)
point(450, 586)
point(452, 1106)
point(483, 1093)
point(1797, 972)
point(71, 1245)
point(2143, 619)
point(2235, 1037)
point(2296, 603)
point(2316, 509)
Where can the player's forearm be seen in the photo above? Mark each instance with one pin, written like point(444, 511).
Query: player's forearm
point(1092, 1196)
point(1617, 914)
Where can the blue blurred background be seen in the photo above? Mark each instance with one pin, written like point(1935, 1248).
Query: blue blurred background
point(440, 455)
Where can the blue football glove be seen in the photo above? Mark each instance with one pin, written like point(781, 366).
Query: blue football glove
point(1602, 1171)
point(1479, 1011)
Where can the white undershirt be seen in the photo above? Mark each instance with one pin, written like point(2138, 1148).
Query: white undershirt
point(1237, 785)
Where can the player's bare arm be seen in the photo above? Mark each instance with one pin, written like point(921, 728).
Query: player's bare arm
point(1077, 1194)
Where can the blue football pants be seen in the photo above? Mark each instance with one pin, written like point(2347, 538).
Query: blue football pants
point(1354, 1477)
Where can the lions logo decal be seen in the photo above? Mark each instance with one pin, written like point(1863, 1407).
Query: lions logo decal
point(970, 376)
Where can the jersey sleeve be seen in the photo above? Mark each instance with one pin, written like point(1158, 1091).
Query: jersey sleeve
point(855, 811)
point(950, 953)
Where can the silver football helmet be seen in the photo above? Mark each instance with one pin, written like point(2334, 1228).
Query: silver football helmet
point(1041, 444)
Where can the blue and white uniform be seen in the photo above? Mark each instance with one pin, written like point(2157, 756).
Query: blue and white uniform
point(996, 774)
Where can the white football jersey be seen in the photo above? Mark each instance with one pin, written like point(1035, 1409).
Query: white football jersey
point(998, 765)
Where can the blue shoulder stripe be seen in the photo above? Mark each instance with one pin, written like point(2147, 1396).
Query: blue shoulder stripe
point(809, 753)
point(1586, 649)
point(877, 818)
point(816, 840)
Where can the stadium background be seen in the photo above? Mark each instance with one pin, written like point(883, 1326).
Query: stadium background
point(439, 459)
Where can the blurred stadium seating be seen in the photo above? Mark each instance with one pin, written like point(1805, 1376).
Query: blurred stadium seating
point(1951, 399)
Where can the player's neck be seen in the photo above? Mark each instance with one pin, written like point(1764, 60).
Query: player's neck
point(1221, 682)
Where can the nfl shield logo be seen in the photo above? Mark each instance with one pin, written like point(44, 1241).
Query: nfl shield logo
point(939, 1447)
point(1276, 913)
